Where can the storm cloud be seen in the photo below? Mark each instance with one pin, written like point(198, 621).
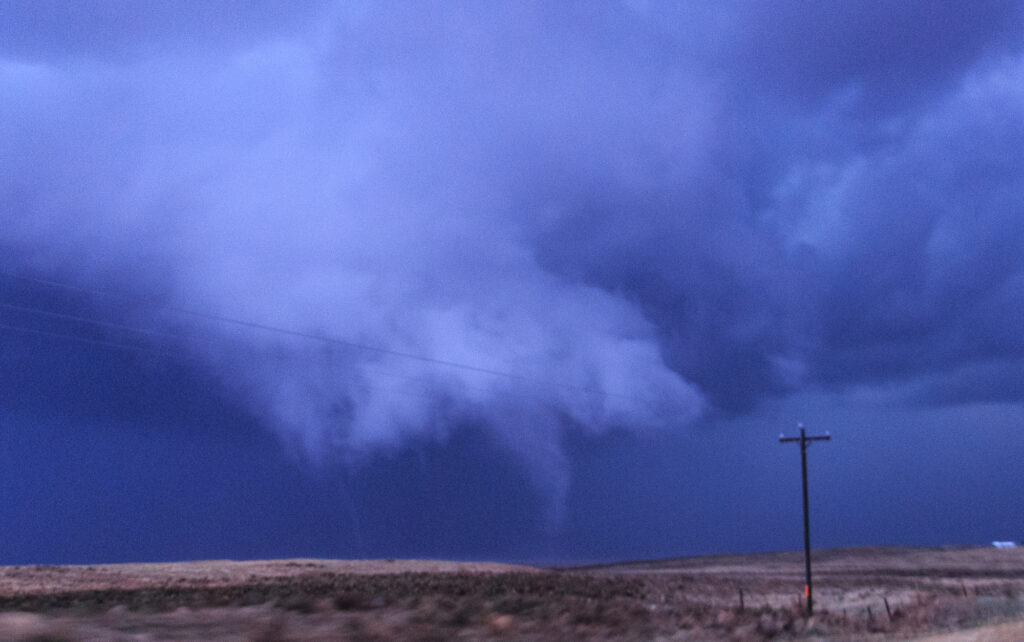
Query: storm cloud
point(620, 216)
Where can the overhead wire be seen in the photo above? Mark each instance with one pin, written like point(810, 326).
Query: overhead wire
point(81, 319)
point(178, 356)
point(389, 390)
point(268, 328)
point(166, 335)
point(149, 350)
point(287, 332)
point(86, 340)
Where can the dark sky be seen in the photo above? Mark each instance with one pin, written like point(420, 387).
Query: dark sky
point(510, 280)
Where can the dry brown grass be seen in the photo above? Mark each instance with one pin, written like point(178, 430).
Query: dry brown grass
point(927, 590)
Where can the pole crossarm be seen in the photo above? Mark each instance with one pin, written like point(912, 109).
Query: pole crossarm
point(804, 442)
point(783, 440)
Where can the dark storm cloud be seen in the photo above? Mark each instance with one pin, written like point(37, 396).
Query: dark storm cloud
point(991, 381)
point(678, 207)
point(886, 51)
point(919, 244)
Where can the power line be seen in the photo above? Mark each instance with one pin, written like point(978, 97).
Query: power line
point(280, 330)
point(377, 386)
point(269, 328)
point(138, 348)
point(391, 390)
point(96, 342)
point(121, 326)
point(81, 319)
point(167, 335)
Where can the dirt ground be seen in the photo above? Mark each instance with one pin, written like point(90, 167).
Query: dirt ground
point(945, 594)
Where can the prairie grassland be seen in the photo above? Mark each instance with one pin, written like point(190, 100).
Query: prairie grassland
point(864, 593)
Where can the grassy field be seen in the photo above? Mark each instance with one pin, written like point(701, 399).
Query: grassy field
point(863, 593)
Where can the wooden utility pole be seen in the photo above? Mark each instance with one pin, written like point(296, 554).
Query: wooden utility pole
point(805, 441)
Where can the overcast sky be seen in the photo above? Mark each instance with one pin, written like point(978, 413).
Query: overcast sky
point(518, 280)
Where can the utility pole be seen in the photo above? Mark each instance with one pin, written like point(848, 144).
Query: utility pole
point(805, 441)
